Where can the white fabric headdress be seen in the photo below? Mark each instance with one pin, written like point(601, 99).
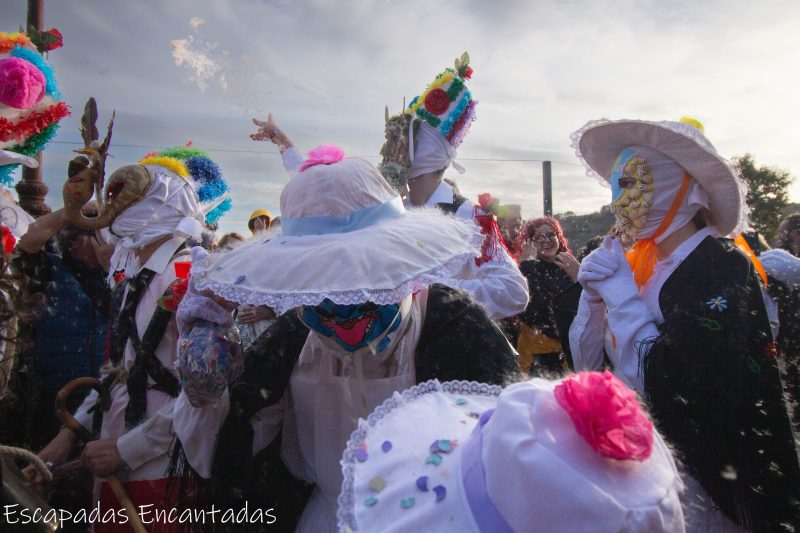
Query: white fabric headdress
point(169, 207)
point(433, 152)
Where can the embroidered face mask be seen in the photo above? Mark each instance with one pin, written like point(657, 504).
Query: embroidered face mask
point(633, 189)
point(353, 326)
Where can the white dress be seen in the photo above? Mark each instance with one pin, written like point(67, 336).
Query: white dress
point(329, 390)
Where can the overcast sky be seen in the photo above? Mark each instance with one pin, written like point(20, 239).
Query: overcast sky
point(181, 70)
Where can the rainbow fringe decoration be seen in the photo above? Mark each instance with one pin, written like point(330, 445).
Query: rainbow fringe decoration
point(206, 176)
point(447, 103)
point(35, 144)
point(213, 216)
point(27, 131)
point(32, 56)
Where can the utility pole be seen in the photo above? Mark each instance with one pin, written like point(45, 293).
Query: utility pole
point(547, 188)
point(32, 189)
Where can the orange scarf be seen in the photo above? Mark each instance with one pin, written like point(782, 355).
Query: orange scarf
point(745, 249)
point(642, 255)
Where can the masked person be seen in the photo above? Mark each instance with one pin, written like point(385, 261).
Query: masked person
point(372, 313)
point(152, 208)
point(420, 145)
point(683, 322)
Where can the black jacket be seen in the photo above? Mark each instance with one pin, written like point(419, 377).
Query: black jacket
point(712, 380)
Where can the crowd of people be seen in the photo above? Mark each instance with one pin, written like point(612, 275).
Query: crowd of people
point(647, 383)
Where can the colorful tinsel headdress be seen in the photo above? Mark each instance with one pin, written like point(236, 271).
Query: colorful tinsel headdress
point(205, 175)
point(447, 103)
point(30, 103)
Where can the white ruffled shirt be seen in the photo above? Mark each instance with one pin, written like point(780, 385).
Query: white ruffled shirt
point(497, 284)
point(144, 449)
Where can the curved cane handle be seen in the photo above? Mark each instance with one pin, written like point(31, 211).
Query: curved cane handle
point(63, 413)
point(70, 422)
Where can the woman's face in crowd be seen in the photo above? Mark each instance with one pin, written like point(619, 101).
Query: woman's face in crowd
point(546, 242)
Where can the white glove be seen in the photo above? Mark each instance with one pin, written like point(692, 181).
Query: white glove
point(629, 318)
point(598, 265)
point(618, 287)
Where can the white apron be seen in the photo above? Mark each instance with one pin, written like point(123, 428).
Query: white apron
point(326, 398)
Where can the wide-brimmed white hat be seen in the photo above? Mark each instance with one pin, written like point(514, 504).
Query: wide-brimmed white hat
point(345, 236)
point(599, 142)
point(577, 454)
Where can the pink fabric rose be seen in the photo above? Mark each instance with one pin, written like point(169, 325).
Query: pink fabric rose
point(22, 85)
point(607, 414)
point(324, 154)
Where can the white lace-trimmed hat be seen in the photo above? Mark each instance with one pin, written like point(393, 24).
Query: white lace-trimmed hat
point(599, 142)
point(577, 454)
point(346, 236)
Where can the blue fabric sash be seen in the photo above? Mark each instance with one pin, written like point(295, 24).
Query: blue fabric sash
point(328, 224)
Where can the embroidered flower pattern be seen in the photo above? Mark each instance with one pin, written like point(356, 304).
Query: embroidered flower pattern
point(717, 303)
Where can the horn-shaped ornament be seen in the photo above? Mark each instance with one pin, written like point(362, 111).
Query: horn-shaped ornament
point(86, 175)
point(126, 186)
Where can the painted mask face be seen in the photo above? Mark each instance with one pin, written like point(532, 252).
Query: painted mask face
point(633, 188)
point(353, 326)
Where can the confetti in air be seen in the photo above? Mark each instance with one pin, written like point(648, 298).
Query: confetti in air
point(206, 63)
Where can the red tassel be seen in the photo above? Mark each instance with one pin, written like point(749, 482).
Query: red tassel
point(493, 242)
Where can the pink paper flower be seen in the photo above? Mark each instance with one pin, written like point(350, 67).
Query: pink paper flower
point(606, 413)
point(324, 154)
point(22, 85)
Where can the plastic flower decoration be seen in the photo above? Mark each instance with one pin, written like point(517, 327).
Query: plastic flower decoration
point(607, 415)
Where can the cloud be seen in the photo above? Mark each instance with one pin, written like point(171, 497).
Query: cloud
point(326, 69)
point(204, 61)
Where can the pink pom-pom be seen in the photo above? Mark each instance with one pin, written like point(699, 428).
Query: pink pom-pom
point(22, 85)
point(606, 413)
point(324, 154)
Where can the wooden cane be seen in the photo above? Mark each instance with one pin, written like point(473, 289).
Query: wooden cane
point(69, 421)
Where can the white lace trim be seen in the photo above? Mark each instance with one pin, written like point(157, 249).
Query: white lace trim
point(575, 144)
point(446, 274)
point(345, 513)
point(682, 128)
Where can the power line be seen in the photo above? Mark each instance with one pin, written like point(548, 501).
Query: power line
point(259, 152)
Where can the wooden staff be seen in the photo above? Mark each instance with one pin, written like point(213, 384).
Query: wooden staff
point(69, 421)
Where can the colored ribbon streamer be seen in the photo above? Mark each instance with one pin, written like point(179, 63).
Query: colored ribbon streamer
point(642, 256)
point(473, 478)
point(329, 224)
point(746, 250)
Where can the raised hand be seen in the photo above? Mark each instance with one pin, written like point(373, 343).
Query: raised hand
point(269, 131)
